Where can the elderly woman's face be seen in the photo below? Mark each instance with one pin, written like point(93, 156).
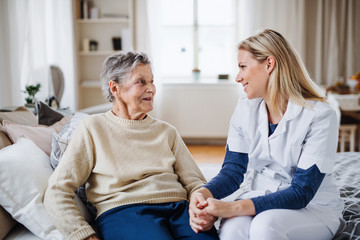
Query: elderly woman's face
point(137, 92)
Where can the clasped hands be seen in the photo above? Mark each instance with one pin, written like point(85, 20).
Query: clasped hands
point(204, 210)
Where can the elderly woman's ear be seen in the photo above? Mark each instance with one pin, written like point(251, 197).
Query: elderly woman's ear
point(114, 88)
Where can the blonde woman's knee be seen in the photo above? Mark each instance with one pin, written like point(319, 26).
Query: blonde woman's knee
point(266, 226)
point(235, 228)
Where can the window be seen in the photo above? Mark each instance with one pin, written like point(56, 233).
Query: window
point(198, 34)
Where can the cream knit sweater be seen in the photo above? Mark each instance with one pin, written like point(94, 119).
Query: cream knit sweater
point(123, 162)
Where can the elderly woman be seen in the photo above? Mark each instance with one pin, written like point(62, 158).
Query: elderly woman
point(138, 171)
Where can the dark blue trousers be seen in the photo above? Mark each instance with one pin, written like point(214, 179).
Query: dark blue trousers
point(163, 221)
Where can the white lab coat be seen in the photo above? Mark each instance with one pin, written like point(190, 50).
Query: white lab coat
point(303, 137)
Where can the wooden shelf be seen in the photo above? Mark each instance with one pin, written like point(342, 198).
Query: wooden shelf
point(104, 20)
point(97, 53)
point(115, 20)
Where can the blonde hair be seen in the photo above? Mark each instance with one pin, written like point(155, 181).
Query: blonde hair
point(289, 80)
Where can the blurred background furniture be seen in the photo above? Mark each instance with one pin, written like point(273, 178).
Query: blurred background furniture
point(347, 133)
point(56, 84)
point(348, 105)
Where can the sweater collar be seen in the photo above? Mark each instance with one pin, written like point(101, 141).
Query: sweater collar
point(126, 122)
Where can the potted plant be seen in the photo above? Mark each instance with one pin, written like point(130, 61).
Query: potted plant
point(31, 90)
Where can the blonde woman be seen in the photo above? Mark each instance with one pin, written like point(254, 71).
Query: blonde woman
point(287, 133)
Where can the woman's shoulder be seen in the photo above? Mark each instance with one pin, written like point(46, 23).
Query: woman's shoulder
point(321, 106)
point(95, 117)
point(162, 123)
point(247, 107)
point(249, 103)
point(245, 113)
point(321, 109)
point(93, 120)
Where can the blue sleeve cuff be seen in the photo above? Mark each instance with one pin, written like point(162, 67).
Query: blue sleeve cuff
point(230, 176)
point(303, 188)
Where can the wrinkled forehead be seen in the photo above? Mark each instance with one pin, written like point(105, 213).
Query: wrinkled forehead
point(143, 70)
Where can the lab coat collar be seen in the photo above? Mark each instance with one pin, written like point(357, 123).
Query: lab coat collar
point(291, 112)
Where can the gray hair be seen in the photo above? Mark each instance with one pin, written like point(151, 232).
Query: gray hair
point(118, 67)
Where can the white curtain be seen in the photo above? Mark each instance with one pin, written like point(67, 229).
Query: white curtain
point(35, 34)
point(326, 33)
point(147, 40)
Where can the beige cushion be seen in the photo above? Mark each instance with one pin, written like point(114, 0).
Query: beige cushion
point(4, 139)
point(20, 115)
point(41, 135)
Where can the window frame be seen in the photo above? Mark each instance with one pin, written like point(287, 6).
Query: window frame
point(196, 71)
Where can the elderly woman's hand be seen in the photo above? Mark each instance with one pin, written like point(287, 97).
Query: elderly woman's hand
point(200, 220)
point(92, 237)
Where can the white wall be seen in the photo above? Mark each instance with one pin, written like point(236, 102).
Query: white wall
point(200, 110)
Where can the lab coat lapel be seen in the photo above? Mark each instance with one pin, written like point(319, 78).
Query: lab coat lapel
point(291, 112)
point(264, 126)
point(260, 152)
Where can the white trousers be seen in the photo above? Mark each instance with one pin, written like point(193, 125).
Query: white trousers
point(275, 224)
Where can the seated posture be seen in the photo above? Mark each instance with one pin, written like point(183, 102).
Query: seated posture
point(287, 132)
point(138, 172)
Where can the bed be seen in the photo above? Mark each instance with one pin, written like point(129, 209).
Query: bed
point(347, 177)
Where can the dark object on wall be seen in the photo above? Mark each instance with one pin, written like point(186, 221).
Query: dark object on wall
point(81, 9)
point(93, 45)
point(223, 76)
point(57, 83)
point(116, 43)
point(53, 102)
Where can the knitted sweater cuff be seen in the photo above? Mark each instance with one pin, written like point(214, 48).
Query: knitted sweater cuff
point(82, 233)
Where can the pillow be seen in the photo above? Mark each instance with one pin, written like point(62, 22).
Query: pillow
point(62, 139)
point(24, 174)
point(60, 142)
point(20, 115)
point(41, 135)
point(48, 116)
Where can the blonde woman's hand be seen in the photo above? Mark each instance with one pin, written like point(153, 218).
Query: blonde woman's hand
point(225, 209)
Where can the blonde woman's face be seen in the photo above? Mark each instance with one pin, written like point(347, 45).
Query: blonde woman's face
point(253, 75)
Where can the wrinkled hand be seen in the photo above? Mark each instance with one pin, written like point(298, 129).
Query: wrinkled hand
point(200, 220)
point(92, 237)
